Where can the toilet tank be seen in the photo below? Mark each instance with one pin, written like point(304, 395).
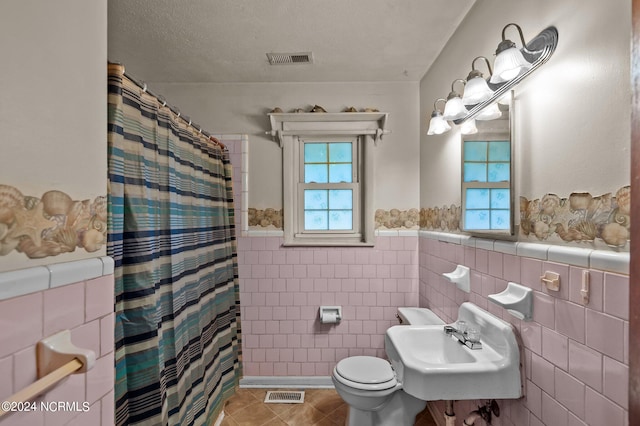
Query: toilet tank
point(418, 316)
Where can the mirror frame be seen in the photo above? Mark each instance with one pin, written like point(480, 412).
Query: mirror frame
point(512, 233)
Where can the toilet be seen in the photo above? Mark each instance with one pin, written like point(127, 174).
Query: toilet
point(370, 388)
point(375, 398)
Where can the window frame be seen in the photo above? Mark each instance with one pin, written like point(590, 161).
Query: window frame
point(289, 129)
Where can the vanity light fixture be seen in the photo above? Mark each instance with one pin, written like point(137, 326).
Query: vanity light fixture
point(477, 90)
point(510, 60)
point(536, 52)
point(489, 113)
point(469, 127)
point(505, 99)
point(454, 108)
point(507, 73)
point(437, 125)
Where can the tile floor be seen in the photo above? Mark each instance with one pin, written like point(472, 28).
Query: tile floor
point(322, 407)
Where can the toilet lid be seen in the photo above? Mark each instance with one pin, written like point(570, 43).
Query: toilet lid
point(365, 369)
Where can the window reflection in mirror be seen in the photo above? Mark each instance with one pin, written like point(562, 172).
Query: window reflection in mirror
point(487, 176)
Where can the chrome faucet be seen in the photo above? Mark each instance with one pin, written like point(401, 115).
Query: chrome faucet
point(462, 337)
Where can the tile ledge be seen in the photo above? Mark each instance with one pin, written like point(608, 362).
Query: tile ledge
point(264, 233)
point(396, 232)
point(576, 256)
point(25, 281)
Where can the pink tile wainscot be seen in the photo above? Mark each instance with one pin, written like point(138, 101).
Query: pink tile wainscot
point(280, 302)
point(27, 319)
point(577, 362)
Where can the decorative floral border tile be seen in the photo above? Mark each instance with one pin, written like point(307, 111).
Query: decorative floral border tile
point(384, 219)
point(267, 218)
point(397, 219)
point(50, 225)
point(581, 218)
point(441, 218)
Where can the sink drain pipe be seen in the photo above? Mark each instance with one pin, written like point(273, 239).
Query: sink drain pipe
point(472, 417)
point(481, 413)
point(485, 413)
point(449, 415)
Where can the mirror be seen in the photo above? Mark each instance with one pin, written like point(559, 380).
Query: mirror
point(487, 181)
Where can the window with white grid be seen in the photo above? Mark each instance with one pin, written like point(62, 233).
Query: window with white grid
point(486, 185)
point(328, 176)
point(329, 186)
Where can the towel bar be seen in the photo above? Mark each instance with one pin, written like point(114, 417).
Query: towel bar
point(41, 386)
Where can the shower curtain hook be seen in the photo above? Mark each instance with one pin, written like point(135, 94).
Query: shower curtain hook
point(144, 87)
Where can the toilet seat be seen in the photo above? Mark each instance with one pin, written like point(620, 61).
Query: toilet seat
point(365, 373)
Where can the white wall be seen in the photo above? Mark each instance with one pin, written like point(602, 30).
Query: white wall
point(53, 103)
point(242, 108)
point(573, 114)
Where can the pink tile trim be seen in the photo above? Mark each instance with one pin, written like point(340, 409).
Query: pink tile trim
point(21, 320)
point(530, 272)
point(531, 333)
point(511, 268)
point(601, 411)
point(100, 378)
point(542, 374)
point(553, 413)
point(563, 356)
point(25, 368)
point(6, 372)
point(586, 365)
point(544, 309)
point(616, 382)
point(107, 334)
point(570, 392)
point(93, 416)
point(88, 336)
point(99, 297)
point(534, 398)
point(72, 390)
point(570, 320)
point(605, 334)
point(495, 264)
point(616, 295)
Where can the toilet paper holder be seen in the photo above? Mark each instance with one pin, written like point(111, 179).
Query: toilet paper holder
point(330, 314)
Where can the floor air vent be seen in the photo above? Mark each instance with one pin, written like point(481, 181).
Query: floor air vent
point(290, 58)
point(284, 397)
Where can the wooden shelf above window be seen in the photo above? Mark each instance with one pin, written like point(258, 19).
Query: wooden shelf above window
point(336, 123)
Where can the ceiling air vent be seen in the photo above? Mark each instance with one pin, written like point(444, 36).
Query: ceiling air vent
point(290, 58)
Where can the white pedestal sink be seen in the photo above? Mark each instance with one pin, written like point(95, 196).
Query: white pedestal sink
point(432, 365)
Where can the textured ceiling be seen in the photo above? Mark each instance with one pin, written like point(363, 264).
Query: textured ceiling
point(227, 40)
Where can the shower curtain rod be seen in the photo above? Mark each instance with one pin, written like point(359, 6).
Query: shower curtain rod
point(163, 101)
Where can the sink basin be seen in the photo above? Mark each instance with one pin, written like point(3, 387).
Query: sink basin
point(432, 365)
